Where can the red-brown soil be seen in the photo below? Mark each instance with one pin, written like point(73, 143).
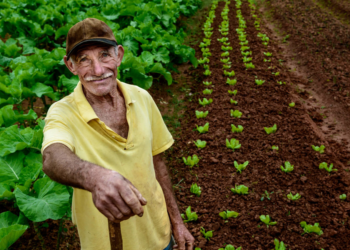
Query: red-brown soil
point(262, 106)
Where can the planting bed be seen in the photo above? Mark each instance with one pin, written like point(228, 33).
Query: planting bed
point(261, 106)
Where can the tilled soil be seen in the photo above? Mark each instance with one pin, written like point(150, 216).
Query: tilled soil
point(262, 106)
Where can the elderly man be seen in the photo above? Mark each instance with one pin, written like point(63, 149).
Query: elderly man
point(106, 140)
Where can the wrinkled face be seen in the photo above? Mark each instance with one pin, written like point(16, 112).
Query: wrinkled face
point(96, 66)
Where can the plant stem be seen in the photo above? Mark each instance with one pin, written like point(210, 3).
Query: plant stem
point(37, 231)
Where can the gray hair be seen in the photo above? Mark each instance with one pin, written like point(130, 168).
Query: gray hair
point(73, 61)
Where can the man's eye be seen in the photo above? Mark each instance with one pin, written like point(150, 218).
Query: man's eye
point(105, 55)
point(83, 60)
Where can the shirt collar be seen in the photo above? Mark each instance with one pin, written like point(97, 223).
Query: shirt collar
point(84, 107)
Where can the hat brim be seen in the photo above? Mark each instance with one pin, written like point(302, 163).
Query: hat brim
point(93, 40)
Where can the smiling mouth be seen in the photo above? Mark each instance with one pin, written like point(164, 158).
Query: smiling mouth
point(99, 80)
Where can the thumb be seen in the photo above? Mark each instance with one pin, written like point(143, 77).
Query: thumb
point(142, 200)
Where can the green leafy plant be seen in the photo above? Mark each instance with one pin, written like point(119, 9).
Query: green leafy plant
point(274, 147)
point(259, 82)
point(246, 59)
point(342, 197)
point(201, 114)
point(246, 53)
point(207, 83)
point(233, 102)
point(237, 129)
point(267, 54)
point(195, 189)
point(230, 74)
point(292, 197)
point(207, 72)
point(226, 66)
point(231, 82)
point(270, 130)
point(226, 48)
point(288, 167)
point(191, 216)
point(240, 167)
point(311, 228)
point(230, 247)
point(267, 220)
point(279, 245)
point(329, 169)
point(236, 113)
point(233, 144)
point(191, 161)
point(203, 60)
point(228, 214)
point(207, 91)
point(225, 60)
point(200, 144)
point(280, 82)
point(207, 235)
point(319, 149)
point(203, 129)
point(241, 189)
point(225, 54)
point(267, 194)
point(292, 104)
point(267, 60)
point(276, 73)
point(223, 39)
point(285, 38)
point(205, 101)
point(232, 92)
point(249, 65)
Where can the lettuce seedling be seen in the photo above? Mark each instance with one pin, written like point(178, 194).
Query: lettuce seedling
point(231, 82)
point(270, 130)
point(203, 129)
point(224, 39)
point(274, 147)
point(207, 91)
point(292, 104)
point(259, 82)
point(208, 34)
point(249, 65)
point(230, 74)
point(241, 189)
point(233, 102)
point(226, 48)
point(201, 114)
point(319, 149)
point(267, 60)
point(228, 214)
point(267, 194)
point(207, 72)
point(246, 59)
point(267, 220)
point(206, 54)
point(200, 144)
point(267, 54)
point(233, 144)
point(244, 43)
point(247, 53)
point(225, 54)
point(342, 197)
point(311, 228)
point(205, 101)
point(206, 66)
point(236, 113)
point(237, 129)
point(207, 83)
point(191, 216)
point(240, 167)
point(226, 44)
point(244, 48)
point(288, 167)
point(226, 66)
point(204, 60)
point(197, 248)
point(293, 197)
point(207, 235)
point(195, 189)
point(230, 247)
point(191, 161)
point(276, 74)
point(233, 92)
point(279, 245)
point(226, 60)
point(280, 82)
point(265, 43)
point(329, 169)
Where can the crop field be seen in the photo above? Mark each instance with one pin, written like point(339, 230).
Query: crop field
point(261, 156)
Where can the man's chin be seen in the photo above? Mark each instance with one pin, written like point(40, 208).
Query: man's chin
point(100, 89)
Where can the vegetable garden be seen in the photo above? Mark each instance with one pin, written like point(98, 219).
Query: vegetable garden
point(252, 168)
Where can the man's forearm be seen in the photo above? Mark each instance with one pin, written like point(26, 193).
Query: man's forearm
point(63, 166)
point(163, 178)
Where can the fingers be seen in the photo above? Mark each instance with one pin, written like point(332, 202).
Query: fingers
point(131, 200)
point(142, 200)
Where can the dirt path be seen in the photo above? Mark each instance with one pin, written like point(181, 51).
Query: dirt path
point(262, 106)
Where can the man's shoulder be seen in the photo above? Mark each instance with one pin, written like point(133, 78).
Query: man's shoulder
point(136, 92)
point(62, 106)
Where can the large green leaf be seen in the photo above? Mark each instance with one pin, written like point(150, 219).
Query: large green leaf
point(50, 201)
point(161, 55)
point(10, 231)
point(69, 83)
point(5, 192)
point(158, 68)
point(11, 167)
point(33, 166)
point(8, 116)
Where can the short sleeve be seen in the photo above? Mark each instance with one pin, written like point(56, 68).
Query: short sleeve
point(162, 138)
point(56, 130)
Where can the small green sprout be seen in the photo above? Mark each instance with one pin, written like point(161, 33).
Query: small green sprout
point(288, 167)
point(207, 235)
point(267, 54)
point(275, 147)
point(206, 54)
point(203, 129)
point(206, 66)
point(226, 66)
point(232, 92)
point(207, 91)
point(267, 220)
point(267, 60)
point(207, 72)
point(201, 114)
point(224, 33)
point(270, 130)
point(244, 43)
point(233, 144)
point(191, 161)
point(241, 189)
point(249, 65)
point(276, 74)
point(240, 167)
point(225, 60)
point(292, 104)
point(329, 169)
point(259, 82)
point(244, 48)
point(195, 189)
point(224, 39)
point(285, 38)
point(342, 197)
point(231, 82)
point(246, 53)
point(203, 60)
point(311, 228)
point(247, 59)
point(226, 48)
point(319, 149)
point(207, 83)
point(225, 54)
point(230, 74)
point(267, 194)
point(237, 129)
point(293, 197)
point(228, 214)
point(208, 34)
point(230, 247)
point(280, 82)
point(191, 216)
point(205, 101)
point(200, 144)
point(279, 245)
point(236, 113)
point(233, 102)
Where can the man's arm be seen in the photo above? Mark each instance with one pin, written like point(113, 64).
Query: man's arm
point(184, 238)
point(113, 195)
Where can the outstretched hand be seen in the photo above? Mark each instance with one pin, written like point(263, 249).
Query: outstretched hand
point(184, 239)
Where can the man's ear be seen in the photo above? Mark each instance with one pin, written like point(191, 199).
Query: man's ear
point(120, 55)
point(70, 65)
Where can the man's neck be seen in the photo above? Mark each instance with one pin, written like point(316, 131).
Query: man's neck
point(107, 100)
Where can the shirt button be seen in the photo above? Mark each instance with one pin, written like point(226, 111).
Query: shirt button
point(99, 122)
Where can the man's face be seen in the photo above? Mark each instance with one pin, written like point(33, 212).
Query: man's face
point(96, 66)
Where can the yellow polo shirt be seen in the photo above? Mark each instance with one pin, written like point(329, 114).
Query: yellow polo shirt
point(72, 122)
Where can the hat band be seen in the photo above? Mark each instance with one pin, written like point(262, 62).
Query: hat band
point(99, 40)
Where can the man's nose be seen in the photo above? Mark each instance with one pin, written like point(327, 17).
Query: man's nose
point(97, 67)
